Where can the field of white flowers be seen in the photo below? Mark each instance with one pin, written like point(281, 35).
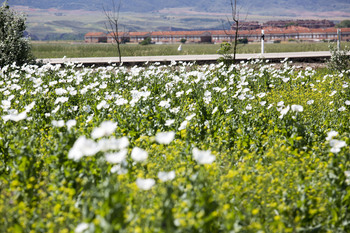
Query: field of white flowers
point(176, 148)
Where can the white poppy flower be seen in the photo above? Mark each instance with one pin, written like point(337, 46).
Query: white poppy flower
point(190, 117)
point(61, 100)
point(179, 93)
point(15, 117)
point(183, 125)
point(119, 169)
point(6, 104)
point(297, 108)
point(56, 109)
point(310, 102)
point(29, 107)
point(103, 104)
point(331, 134)
point(261, 95)
point(336, 145)
point(333, 93)
point(341, 109)
point(202, 157)
point(284, 112)
point(71, 123)
point(81, 227)
point(82, 147)
point(285, 79)
point(145, 184)
point(60, 91)
point(165, 137)
point(139, 154)
point(116, 157)
point(169, 122)
point(106, 144)
point(166, 176)
point(59, 123)
point(165, 103)
point(105, 129)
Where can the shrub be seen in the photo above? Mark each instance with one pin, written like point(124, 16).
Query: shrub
point(225, 51)
point(339, 58)
point(146, 41)
point(13, 46)
point(243, 41)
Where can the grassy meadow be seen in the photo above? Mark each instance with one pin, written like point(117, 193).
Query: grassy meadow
point(61, 49)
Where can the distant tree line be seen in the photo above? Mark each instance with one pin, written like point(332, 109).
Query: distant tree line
point(57, 36)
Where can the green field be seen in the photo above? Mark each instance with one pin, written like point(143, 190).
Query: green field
point(59, 50)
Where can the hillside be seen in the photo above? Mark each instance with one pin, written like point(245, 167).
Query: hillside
point(63, 19)
point(267, 7)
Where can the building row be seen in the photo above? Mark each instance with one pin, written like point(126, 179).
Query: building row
point(251, 25)
point(271, 34)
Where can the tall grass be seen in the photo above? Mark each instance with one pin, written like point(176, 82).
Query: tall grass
point(58, 50)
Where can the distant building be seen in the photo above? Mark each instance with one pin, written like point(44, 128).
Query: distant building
point(123, 37)
point(218, 36)
point(166, 37)
point(251, 25)
point(95, 37)
point(300, 23)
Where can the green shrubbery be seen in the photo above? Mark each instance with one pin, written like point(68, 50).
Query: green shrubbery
point(146, 41)
point(340, 59)
point(13, 46)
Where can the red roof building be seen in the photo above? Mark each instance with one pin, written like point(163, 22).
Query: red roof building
point(219, 36)
point(95, 37)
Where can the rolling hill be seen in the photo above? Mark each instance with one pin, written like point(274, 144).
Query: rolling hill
point(71, 19)
point(261, 6)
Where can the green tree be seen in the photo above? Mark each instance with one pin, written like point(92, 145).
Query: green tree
point(14, 47)
point(344, 24)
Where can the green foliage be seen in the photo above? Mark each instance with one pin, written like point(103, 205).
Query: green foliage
point(243, 41)
point(146, 41)
point(13, 46)
point(226, 52)
point(344, 24)
point(340, 59)
point(183, 41)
